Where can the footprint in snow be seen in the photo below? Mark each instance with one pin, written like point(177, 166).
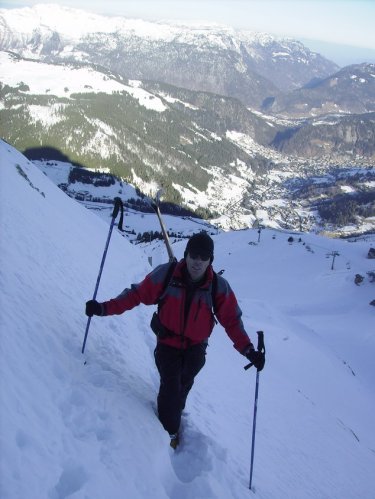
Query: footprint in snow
point(71, 480)
point(192, 457)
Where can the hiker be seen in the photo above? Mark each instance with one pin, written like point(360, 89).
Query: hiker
point(183, 323)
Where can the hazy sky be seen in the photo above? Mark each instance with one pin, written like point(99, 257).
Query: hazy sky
point(339, 22)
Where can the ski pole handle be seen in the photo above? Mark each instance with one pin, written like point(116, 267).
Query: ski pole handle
point(260, 347)
point(118, 207)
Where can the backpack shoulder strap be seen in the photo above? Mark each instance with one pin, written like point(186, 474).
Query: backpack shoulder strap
point(166, 282)
point(213, 292)
point(214, 289)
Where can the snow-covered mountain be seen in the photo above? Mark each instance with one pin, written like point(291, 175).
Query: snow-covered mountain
point(91, 87)
point(349, 91)
point(191, 142)
point(246, 65)
point(70, 429)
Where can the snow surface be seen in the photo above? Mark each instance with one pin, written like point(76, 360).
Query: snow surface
point(70, 429)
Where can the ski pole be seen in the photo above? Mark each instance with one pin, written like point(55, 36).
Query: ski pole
point(260, 348)
point(118, 206)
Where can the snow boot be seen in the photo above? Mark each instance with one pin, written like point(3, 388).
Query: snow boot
point(175, 440)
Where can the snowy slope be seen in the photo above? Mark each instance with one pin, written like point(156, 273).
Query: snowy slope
point(89, 431)
point(64, 80)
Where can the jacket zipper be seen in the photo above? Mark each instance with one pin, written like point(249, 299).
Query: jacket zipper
point(198, 310)
point(183, 316)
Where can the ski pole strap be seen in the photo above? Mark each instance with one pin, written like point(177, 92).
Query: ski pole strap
point(118, 207)
point(260, 347)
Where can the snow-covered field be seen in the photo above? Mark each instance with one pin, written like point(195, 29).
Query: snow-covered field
point(70, 429)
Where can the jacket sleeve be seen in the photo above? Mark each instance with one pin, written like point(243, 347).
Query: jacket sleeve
point(146, 292)
point(229, 315)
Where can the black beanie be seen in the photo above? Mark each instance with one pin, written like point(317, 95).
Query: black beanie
point(202, 245)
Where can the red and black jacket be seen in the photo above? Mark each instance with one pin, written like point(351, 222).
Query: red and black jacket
point(196, 325)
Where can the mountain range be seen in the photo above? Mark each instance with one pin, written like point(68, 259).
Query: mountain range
point(219, 59)
point(190, 107)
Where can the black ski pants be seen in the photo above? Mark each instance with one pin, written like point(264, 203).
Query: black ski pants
point(177, 369)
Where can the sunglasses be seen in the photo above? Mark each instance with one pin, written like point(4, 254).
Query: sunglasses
point(202, 256)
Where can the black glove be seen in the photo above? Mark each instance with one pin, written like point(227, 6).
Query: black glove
point(93, 308)
point(257, 358)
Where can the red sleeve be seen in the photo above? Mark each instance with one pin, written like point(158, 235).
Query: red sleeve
point(146, 292)
point(229, 315)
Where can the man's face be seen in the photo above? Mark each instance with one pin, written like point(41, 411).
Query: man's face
point(197, 265)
